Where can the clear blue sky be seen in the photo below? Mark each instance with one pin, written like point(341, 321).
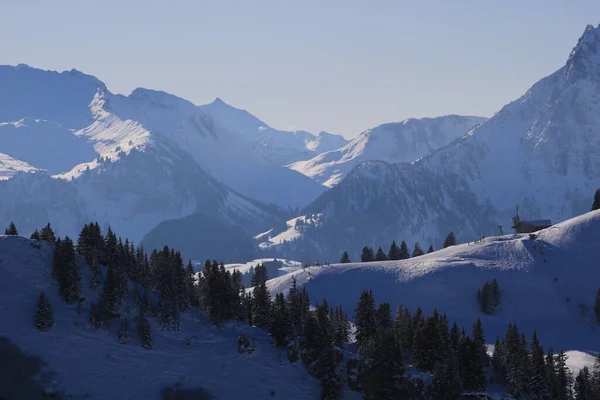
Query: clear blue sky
point(340, 66)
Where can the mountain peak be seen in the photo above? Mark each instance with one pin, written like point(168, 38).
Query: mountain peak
point(584, 60)
point(218, 101)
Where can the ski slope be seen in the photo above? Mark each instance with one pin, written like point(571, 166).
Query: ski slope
point(548, 284)
point(94, 365)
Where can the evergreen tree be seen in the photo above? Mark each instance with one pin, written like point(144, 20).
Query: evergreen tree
point(145, 333)
point(551, 373)
point(345, 259)
point(563, 377)
point(11, 230)
point(596, 204)
point(479, 341)
point(331, 384)
point(35, 235)
point(295, 307)
point(471, 368)
point(538, 383)
point(417, 251)
point(398, 320)
point(497, 363)
point(450, 240)
point(383, 318)
point(246, 307)
point(341, 327)
point(44, 319)
point(367, 254)
point(445, 383)
point(382, 368)
point(430, 249)
point(394, 252)
point(515, 357)
point(190, 284)
point(426, 350)
point(123, 334)
point(403, 252)
point(595, 378)
point(259, 275)
point(406, 330)
point(280, 322)
point(66, 271)
point(47, 234)
point(110, 295)
point(583, 385)
point(261, 306)
point(324, 332)
point(364, 317)
point(489, 297)
point(380, 256)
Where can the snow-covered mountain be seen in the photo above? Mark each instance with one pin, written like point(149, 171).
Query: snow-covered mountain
point(375, 204)
point(541, 151)
point(10, 166)
point(404, 141)
point(548, 284)
point(103, 124)
point(130, 161)
point(280, 147)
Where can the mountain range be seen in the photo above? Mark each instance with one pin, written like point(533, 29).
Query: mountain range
point(216, 181)
point(540, 152)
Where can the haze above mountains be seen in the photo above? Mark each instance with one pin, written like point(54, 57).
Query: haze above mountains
point(217, 182)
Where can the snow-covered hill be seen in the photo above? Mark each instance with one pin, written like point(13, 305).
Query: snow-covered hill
point(404, 141)
point(280, 147)
point(548, 284)
point(94, 365)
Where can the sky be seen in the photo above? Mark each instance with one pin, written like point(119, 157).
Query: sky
point(338, 66)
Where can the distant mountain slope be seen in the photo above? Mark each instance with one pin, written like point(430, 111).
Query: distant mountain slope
point(93, 364)
point(404, 141)
point(375, 204)
point(129, 161)
point(81, 104)
point(280, 147)
point(9, 166)
point(540, 152)
point(45, 145)
point(548, 284)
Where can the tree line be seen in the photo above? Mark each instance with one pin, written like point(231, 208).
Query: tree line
point(395, 252)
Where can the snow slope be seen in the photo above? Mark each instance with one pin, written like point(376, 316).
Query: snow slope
point(93, 365)
point(404, 141)
point(280, 147)
point(548, 284)
point(45, 145)
point(9, 166)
